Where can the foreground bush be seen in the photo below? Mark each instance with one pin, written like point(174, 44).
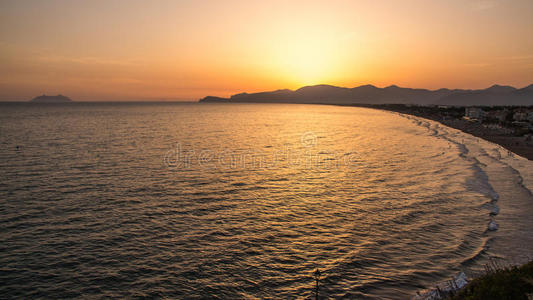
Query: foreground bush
point(500, 283)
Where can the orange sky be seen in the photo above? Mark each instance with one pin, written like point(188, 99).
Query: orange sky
point(184, 50)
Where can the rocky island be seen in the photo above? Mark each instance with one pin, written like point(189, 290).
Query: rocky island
point(51, 99)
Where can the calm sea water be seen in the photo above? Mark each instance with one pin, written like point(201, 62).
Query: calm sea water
point(246, 201)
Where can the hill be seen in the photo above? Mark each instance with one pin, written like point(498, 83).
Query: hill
point(369, 94)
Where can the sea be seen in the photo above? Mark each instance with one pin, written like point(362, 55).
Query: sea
point(247, 201)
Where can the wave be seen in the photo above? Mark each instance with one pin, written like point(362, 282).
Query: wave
point(496, 171)
point(480, 182)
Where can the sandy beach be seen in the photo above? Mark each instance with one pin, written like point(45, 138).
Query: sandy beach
point(515, 144)
point(499, 135)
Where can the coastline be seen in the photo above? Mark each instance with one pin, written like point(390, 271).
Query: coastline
point(499, 136)
point(508, 245)
point(517, 145)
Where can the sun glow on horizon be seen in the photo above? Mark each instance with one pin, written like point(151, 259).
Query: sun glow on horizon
point(189, 49)
point(306, 59)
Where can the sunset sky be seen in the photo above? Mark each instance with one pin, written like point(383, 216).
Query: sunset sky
point(184, 50)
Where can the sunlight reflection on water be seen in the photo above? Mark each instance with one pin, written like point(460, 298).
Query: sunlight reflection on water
point(195, 200)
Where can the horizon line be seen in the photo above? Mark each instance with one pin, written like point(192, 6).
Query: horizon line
point(279, 89)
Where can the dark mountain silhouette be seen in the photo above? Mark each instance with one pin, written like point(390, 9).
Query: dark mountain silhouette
point(214, 99)
point(494, 95)
point(369, 94)
point(51, 99)
point(527, 89)
point(500, 89)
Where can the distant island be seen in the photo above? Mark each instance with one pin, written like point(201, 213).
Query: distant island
point(369, 94)
point(51, 99)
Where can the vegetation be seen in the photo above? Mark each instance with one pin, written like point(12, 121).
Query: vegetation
point(500, 283)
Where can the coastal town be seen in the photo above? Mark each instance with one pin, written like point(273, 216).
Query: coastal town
point(518, 120)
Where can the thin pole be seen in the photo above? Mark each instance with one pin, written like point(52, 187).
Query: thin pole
point(317, 277)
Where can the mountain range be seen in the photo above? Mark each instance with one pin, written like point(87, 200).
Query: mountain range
point(369, 94)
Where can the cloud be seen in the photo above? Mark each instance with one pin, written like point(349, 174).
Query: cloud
point(85, 60)
point(478, 65)
point(484, 4)
point(519, 57)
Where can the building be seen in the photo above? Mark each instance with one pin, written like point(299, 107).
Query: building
point(474, 113)
point(520, 116)
point(497, 115)
point(530, 116)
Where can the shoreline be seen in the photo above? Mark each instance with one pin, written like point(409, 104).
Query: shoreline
point(500, 136)
point(514, 214)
